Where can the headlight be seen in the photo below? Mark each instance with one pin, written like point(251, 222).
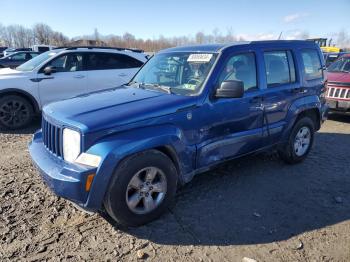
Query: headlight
point(71, 144)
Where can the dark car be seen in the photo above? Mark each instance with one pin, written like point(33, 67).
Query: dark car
point(125, 150)
point(17, 59)
point(10, 51)
point(338, 93)
point(2, 49)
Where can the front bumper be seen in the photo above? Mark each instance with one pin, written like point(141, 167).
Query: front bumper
point(339, 105)
point(64, 179)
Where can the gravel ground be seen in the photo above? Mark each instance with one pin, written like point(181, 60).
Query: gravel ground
point(256, 207)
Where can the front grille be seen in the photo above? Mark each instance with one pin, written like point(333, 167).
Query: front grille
point(338, 92)
point(52, 137)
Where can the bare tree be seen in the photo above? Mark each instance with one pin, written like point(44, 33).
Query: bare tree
point(42, 33)
point(343, 39)
point(21, 36)
point(58, 39)
point(200, 37)
point(97, 35)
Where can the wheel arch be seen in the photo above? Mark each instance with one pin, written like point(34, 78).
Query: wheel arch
point(307, 106)
point(165, 139)
point(313, 114)
point(24, 95)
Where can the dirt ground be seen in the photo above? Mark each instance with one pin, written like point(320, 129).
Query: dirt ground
point(256, 207)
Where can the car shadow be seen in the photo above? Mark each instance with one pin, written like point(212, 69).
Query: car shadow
point(259, 199)
point(34, 126)
point(339, 117)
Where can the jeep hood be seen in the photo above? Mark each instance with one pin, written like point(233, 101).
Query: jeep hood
point(113, 108)
point(341, 77)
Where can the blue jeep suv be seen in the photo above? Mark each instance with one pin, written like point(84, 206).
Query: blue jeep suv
point(124, 151)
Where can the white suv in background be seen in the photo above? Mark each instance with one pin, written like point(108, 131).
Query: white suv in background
point(60, 74)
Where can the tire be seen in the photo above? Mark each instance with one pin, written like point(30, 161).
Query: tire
point(128, 186)
point(294, 151)
point(15, 112)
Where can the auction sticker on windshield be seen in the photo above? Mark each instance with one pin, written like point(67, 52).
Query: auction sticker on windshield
point(199, 58)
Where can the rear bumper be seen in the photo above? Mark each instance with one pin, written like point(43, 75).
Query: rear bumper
point(64, 179)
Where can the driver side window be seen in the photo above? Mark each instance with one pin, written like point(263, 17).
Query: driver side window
point(67, 63)
point(241, 67)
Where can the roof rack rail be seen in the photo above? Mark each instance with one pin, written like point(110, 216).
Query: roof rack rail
point(102, 47)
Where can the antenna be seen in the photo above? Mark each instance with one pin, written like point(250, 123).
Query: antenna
point(280, 36)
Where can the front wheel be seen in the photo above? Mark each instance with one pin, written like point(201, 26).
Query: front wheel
point(141, 189)
point(300, 141)
point(15, 112)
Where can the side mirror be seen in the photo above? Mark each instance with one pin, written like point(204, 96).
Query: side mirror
point(49, 70)
point(230, 89)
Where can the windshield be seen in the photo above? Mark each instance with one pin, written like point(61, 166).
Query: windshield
point(341, 65)
point(180, 73)
point(36, 61)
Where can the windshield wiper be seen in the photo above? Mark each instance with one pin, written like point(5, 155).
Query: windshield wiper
point(156, 86)
point(132, 82)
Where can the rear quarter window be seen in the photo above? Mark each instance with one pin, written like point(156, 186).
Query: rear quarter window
point(105, 61)
point(311, 64)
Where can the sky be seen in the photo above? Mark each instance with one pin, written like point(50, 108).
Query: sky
point(251, 19)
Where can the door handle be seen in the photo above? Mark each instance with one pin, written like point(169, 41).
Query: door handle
point(256, 99)
point(122, 74)
point(300, 90)
point(79, 76)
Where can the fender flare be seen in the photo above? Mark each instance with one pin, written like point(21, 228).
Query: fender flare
point(296, 108)
point(115, 148)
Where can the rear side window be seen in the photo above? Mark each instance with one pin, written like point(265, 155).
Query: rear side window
point(312, 64)
point(279, 66)
point(104, 61)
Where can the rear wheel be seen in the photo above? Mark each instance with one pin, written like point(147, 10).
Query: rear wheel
point(141, 189)
point(15, 112)
point(300, 141)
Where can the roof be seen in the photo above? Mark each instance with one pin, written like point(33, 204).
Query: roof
point(135, 53)
point(214, 48)
point(98, 48)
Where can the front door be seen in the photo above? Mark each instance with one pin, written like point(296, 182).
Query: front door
point(68, 80)
point(233, 126)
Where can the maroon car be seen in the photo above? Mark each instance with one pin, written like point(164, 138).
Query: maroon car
point(338, 93)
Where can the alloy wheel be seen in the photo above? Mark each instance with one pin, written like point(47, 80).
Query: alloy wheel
point(14, 113)
point(302, 141)
point(146, 190)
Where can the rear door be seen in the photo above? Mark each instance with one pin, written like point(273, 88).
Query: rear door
point(108, 70)
point(282, 87)
point(68, 81)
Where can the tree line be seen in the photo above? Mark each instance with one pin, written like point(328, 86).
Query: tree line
point(21, 36)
